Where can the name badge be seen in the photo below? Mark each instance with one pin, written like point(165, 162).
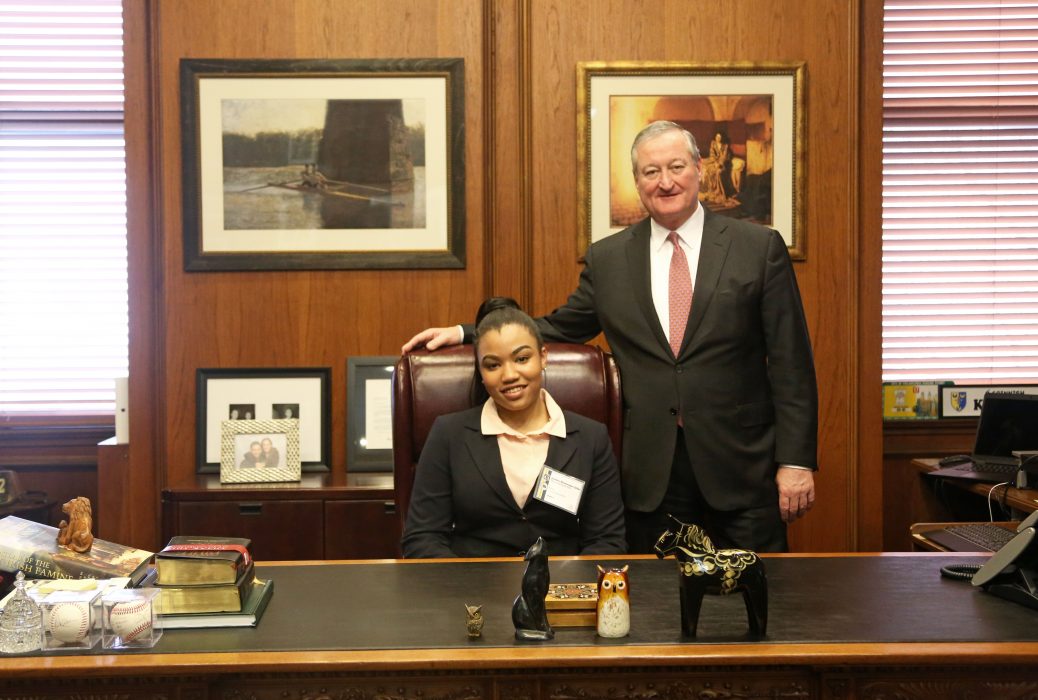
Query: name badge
point(558, 489)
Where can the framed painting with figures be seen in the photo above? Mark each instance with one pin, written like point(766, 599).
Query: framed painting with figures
point(748, 123)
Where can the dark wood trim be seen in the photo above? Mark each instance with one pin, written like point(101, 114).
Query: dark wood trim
point(47, 442)
point(144, 167)
point(524, 21)
point(490, 74)
point(928, 438)
point(868, 504)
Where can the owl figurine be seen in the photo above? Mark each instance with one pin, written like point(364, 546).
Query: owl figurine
point(614, 603)
point(474, 620)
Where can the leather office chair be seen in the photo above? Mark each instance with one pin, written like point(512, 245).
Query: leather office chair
point(581, 378)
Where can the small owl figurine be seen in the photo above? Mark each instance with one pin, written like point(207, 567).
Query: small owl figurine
point(474, 620)
point(614, 604)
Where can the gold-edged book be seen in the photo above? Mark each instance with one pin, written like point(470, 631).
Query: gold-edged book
point(175, 600)
point(259, 594)
point(196, 560)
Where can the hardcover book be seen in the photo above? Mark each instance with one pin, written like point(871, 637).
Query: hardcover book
point(196, 560)
point(208, 598)
point(259, 593)
point(33, 548)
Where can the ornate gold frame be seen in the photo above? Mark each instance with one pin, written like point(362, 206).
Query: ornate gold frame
point(598, 82)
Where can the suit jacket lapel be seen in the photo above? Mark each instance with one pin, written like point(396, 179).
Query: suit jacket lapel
point(712, 253)
point(641, 282)
point(487, 458)
point(560, 452)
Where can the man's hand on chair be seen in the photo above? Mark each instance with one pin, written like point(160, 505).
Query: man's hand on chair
point(433, 338)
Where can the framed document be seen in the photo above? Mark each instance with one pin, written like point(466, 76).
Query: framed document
point(369, 413)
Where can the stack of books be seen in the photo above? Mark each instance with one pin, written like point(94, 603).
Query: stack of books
point(209, 582)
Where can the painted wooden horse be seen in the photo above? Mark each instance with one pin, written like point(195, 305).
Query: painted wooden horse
point(706, 569)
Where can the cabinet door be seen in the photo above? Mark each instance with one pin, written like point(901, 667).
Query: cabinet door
point(361, 530)
point(278, 529)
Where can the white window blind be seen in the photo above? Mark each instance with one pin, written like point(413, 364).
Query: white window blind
point(63, 292)
point(960, 191)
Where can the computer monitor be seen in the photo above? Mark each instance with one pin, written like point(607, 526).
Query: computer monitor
point(1008, 423)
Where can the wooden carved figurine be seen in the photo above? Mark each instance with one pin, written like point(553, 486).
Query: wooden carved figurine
point(474, 620)
point(75, 534)
point(705, 569)
point(529, 614)
point(614, 603)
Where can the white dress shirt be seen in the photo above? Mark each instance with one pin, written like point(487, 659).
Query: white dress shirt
point(690, 234)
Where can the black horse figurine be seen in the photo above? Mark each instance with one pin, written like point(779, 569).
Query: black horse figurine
point(705, 569)
point(529, 615)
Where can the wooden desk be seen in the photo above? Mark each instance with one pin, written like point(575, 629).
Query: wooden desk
point(295, 655)
point(1025, 500)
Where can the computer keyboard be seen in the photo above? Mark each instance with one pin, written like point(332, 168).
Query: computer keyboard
point(996, 467)
point(986, 467)
point(986, 535)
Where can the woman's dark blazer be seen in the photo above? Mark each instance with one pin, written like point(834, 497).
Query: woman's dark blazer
point(461, 505)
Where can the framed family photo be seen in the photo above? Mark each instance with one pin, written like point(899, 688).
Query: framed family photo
point(259, 451)
point(323, 164)
point(229, 399)
point(748, 122)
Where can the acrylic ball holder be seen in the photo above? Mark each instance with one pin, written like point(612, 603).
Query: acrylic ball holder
point(70, 620)
point(130, 619)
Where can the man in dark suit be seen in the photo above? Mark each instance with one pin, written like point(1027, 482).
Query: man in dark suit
point(733, 377)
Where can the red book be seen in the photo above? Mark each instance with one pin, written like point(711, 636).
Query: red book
point(198, 560)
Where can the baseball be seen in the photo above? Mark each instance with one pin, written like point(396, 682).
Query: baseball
point(69, 622)
point(130, 620)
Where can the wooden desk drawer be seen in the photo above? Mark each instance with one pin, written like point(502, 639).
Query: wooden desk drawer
point(278, 529)
point(361, 530)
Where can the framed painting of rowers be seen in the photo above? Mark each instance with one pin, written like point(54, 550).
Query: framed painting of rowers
point(748, 123)
point(323, 164)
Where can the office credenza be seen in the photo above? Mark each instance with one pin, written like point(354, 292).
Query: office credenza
point(314, 519)
point(840, 627)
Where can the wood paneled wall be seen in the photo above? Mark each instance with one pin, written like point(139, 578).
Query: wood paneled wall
point(521, 221)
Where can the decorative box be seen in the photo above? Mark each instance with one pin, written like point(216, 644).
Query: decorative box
point(70, 620)
point(130, 619)
point(572, 604)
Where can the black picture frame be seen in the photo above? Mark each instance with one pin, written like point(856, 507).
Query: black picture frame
point(360, 371)
point(229, 112)
point(218, 389)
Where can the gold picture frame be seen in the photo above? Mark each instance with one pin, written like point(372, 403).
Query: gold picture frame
point(244, 459)
point(757, 108)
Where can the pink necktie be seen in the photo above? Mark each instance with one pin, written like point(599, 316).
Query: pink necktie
point(680, 294)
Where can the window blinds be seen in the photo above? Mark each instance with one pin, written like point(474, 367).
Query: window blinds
point(63, 292)
point(960, 191)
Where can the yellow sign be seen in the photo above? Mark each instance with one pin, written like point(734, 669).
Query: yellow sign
point(905, 401)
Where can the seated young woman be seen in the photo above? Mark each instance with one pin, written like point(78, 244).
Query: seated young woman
point(479, 489)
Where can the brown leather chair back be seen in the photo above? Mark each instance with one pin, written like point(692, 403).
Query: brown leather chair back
point(581, 378)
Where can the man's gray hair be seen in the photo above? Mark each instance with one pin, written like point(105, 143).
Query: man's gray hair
point(659, 128)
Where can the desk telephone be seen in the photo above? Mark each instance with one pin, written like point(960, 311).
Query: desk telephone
point(1011, 572)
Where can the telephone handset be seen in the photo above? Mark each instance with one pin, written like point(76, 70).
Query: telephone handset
point(1012, 571)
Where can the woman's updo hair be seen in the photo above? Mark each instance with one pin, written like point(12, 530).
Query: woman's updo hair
point(497, 312)
point(494, 314)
